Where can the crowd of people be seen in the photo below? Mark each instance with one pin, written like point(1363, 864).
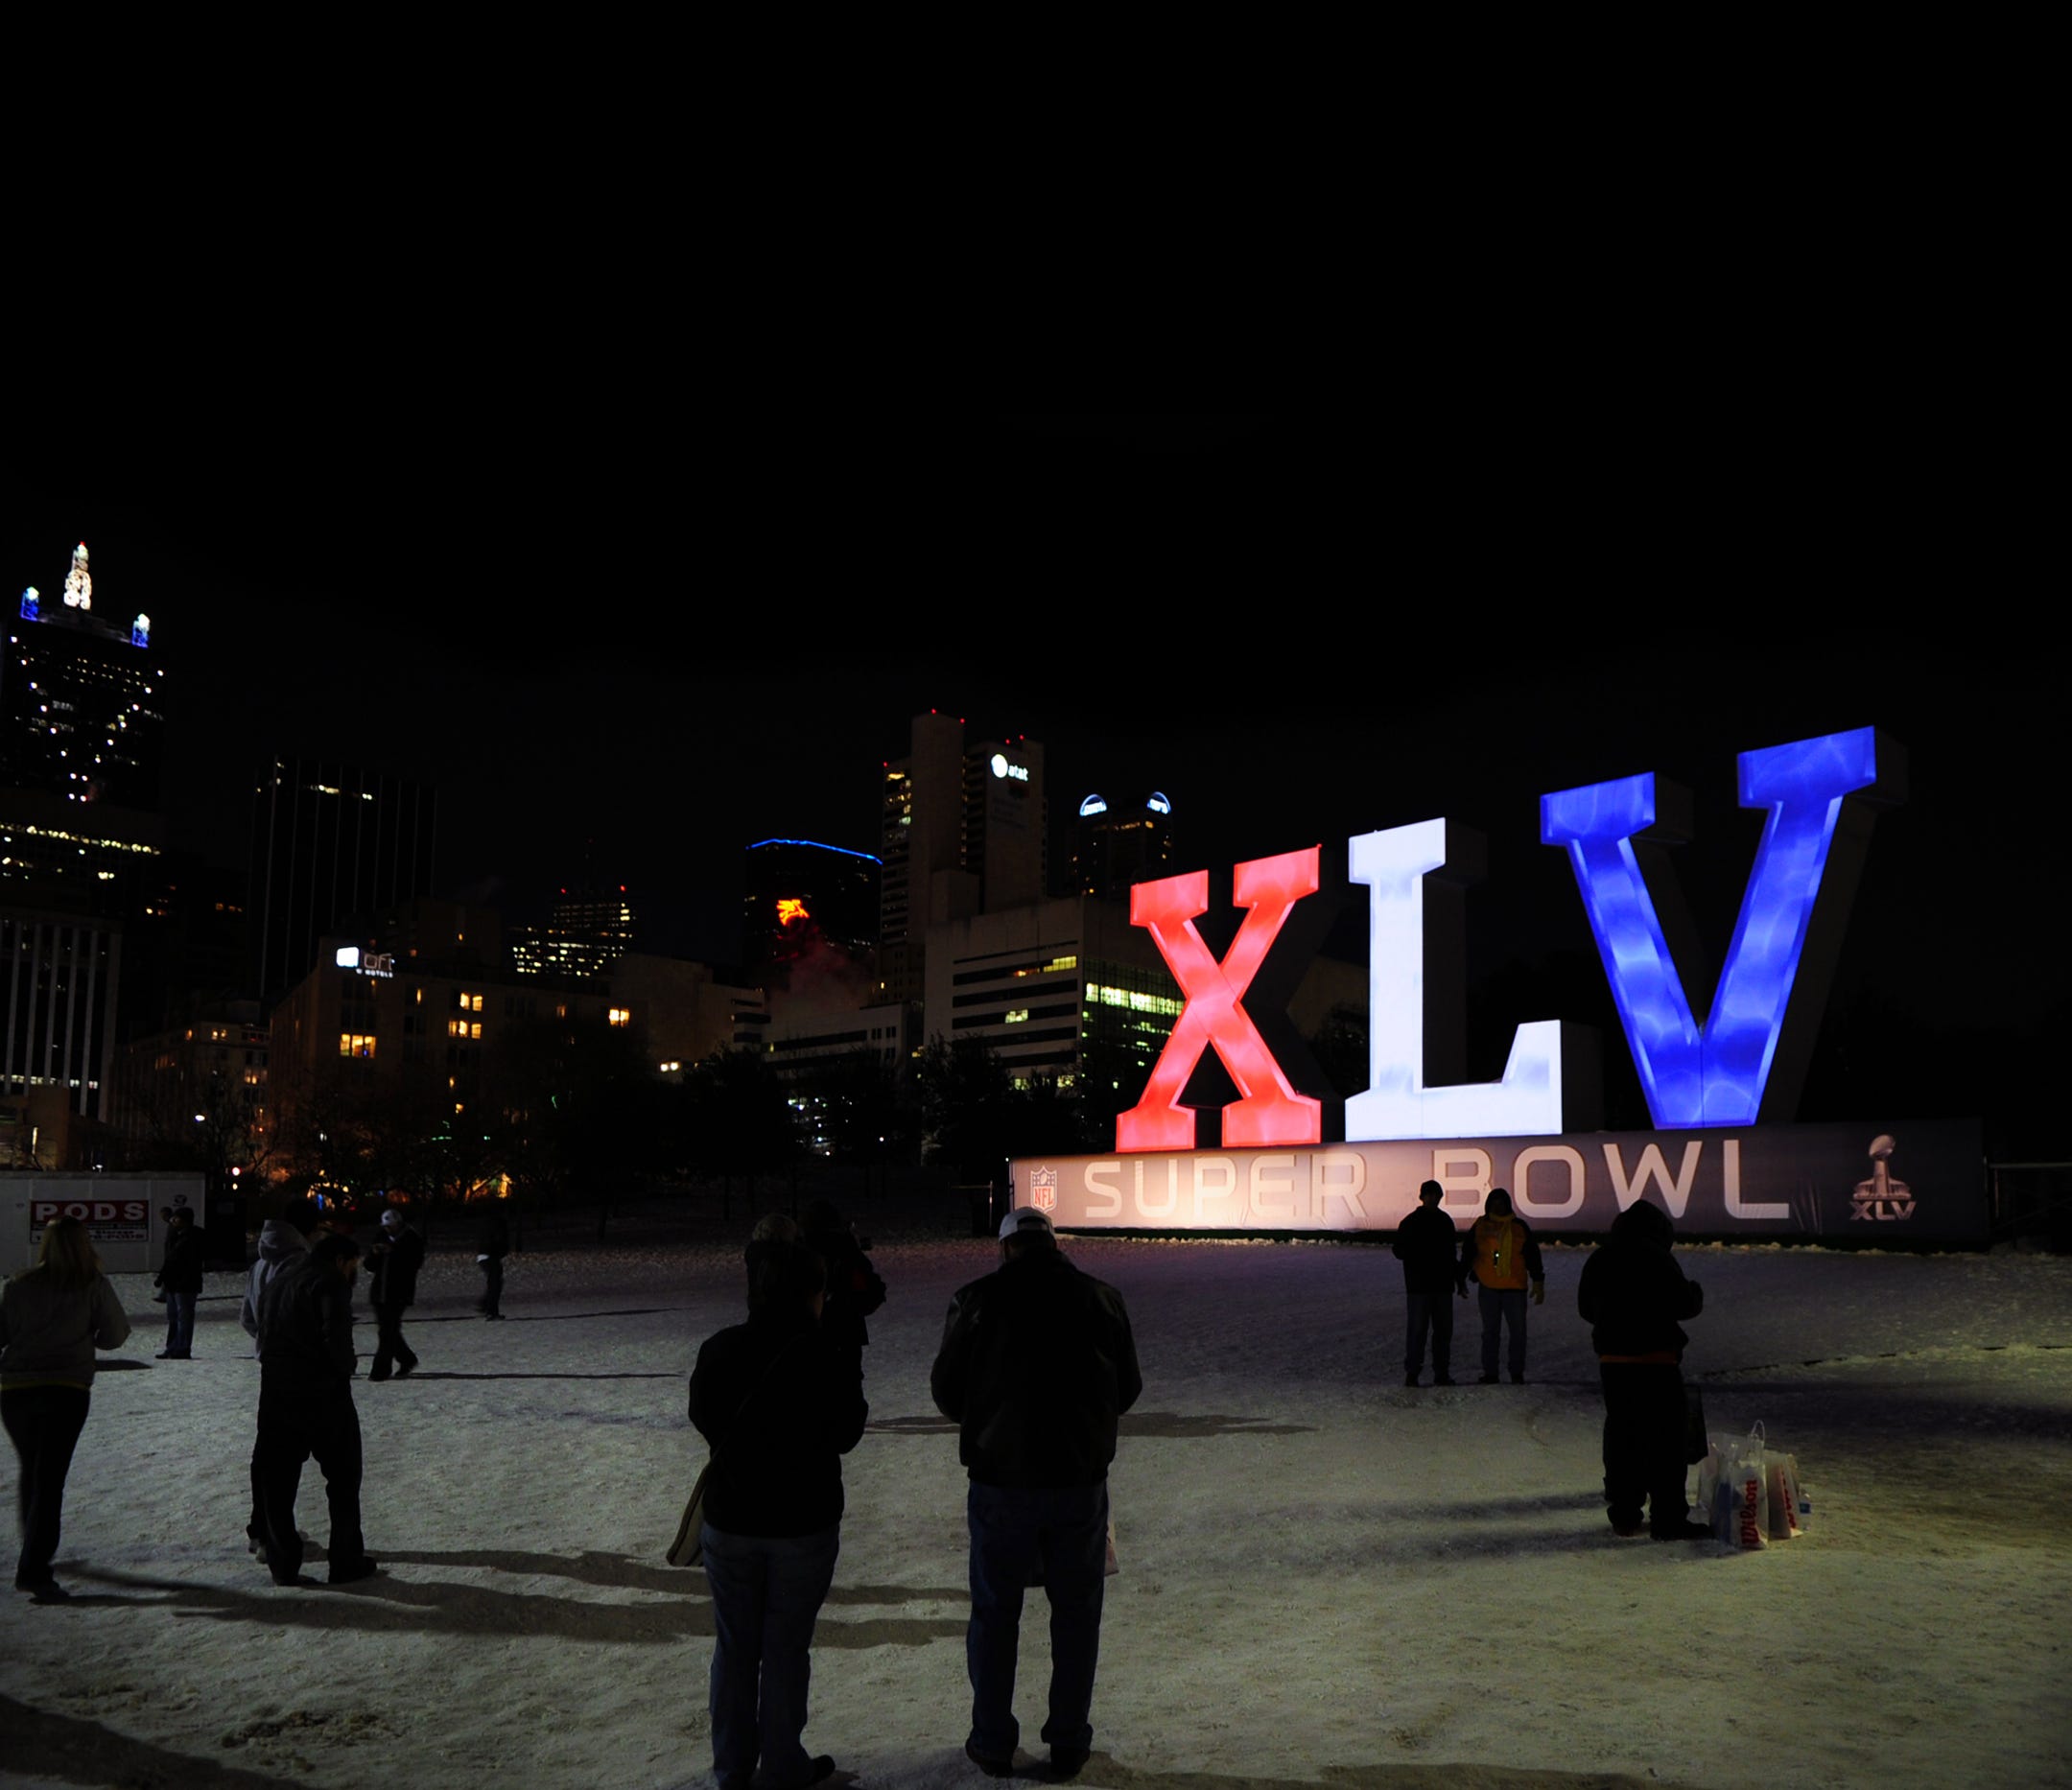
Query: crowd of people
point(1036, 1366)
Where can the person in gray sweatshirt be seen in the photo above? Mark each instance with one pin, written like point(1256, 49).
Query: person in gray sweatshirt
point(281, 1245)
point(53, 1317)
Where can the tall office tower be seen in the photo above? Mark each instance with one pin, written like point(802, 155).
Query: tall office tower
point(82, 726)
point(79, 700)
point(589, 928)
point(1006, 823)
point(963, 833)
point(802, 897)
point(330, 842)
point(1120, 844)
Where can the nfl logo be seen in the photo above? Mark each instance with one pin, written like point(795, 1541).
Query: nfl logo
point(1042, 1188)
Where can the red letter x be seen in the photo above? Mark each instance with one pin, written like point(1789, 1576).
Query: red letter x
point(1271, 1111)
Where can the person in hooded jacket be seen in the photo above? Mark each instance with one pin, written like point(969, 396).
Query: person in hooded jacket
point(306, 1408)
point(1633, 1295)
point(281, 1245)
point(780, 1405)
point(392, 1266)
point(1503, 1256)
point(854, 1287)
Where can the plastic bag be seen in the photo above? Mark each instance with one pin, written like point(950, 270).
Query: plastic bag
point(1740, 1508)
point(1791, 1511)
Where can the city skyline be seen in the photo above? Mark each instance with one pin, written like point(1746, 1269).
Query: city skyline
point(1218, 615)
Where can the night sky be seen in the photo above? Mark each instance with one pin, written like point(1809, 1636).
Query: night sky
point(658, 644)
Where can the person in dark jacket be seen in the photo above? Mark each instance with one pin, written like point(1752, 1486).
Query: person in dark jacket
point(281, 1245)
point(1037, 1364)
point(306, 1407)
point(1426, 1244)
point(780, 1407)
point(53, 1317)
point(492, 1243)
point(853, 1291)
point(1633, 1295)
point(181, 1275)
point(393, 1261)
point(1503, 1256)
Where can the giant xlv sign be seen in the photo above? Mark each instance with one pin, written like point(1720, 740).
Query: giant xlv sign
point(1741, 1061)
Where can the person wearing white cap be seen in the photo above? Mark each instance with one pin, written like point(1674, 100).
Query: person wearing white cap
point(1037, 1364)
point(393, 1261)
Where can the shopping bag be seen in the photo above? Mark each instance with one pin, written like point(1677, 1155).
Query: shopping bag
point(1740, 1508)
point(1790, 1509)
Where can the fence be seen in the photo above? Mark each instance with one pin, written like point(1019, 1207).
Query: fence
point(2033, 1201)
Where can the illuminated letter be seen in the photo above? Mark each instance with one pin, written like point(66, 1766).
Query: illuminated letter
point(1522, 1195)
point(1730, 1176)
point(1676, 1195)
point(1272, 1175)
point(1271, 1111)
point(1324, 1190)
point(1394, 864)
point(1216, 1177)
point(1098, 1182)
point(1715, 1073)
point(1476, 1183)
point(1165, 1207)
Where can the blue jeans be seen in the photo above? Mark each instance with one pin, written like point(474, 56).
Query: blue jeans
point(1014, 1531)
point(1504, 1304)
point(766, 1592)
point(180, 1310)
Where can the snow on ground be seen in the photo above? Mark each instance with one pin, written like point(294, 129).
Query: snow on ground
point(1327, 1578)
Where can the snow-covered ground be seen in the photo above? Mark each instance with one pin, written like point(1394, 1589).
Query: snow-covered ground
point(1326, 1578)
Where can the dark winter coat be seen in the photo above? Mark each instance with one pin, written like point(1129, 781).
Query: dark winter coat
point(492, 1236)
point(181, 1272)
point(305, 1329)
point(394, 1262)
point(780, 1407)
point(1426, 1244)
point(1037, 1363)
point(1631, 1292)
point(854, 1289)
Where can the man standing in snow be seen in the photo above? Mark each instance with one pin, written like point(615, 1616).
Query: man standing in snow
point(306, 1407)
point(1631, 1295)
point(1426, 1243)
point(1503, 1255)
point(280, 1247)
point(180, 1276)
point(1037, 1363)
point(394, 1262)
point(492, 1243)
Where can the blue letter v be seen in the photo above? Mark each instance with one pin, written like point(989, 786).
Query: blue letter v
point(1714, 1074)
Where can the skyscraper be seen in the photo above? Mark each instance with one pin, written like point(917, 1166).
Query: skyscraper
point(330, 842)
point(82, 724)
point(1121, 843)
point(79, 700)
point(964, 831)
point(589, 928)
